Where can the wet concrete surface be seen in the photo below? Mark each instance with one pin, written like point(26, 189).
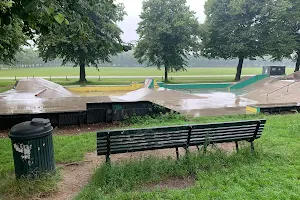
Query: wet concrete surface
point(215, 103)
point(23, 99)
point(204, 104)
point(39, 105)
point(41, 88)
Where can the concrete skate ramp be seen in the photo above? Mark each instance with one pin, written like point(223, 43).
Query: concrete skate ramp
point(276, 91)
point(42, 88)
point(168, 95)
point(140, 93)
point(260, 84)
point(26, 104)
point(135, 95)
point(250, 81)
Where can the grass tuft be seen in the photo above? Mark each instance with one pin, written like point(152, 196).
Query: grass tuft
point(28, 188)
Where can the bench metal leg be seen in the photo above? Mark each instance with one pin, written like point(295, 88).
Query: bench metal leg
point(177, 153)
point(198, 148)
point(237, 146)
point(252, 146)
point(107, 159)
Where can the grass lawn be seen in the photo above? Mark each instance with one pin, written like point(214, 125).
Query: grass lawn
point(6, 85)
point(271, 173)
point(123, 71)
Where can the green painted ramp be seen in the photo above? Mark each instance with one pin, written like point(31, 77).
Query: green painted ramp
point(250, 81)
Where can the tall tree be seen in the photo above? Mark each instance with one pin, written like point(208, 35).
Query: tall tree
point(169, 32)
point(292, 23)
point(244, 29)
point(11, 40)
point(92, 35)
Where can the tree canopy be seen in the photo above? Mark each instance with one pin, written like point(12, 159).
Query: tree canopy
point(91, 36)
point(23, 19)
point(245, 29)
point(291, 23)
point(169, 32)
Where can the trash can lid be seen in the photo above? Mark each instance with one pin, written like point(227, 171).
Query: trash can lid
point(36, 128)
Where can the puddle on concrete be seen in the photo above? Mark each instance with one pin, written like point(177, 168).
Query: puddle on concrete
point(206, 100)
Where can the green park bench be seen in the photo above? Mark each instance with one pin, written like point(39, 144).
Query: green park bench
point(135, 140)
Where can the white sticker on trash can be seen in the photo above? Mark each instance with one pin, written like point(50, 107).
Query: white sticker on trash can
point(25, 150)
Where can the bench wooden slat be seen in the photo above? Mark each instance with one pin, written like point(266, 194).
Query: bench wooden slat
point(147, 147)
point(197, 135)
point(149, 137)
point(148, 130)
point(194, 128)
point(225, 125)
point(223, 140)
point(149, 134)
point(124, 144)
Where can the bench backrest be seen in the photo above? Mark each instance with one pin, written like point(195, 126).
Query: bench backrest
point(133, 140)
point(226, 132)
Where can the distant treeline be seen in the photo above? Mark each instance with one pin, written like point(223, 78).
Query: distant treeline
point(29, 58)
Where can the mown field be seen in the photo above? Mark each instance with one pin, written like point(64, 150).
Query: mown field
point(6, 84)
point(123, 71)
point(272, 172)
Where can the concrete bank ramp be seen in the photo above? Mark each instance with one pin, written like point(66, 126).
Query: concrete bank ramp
point(139, 94)
point(280, 91)
point(135, 95)
point(248, 81)
point(42, 88)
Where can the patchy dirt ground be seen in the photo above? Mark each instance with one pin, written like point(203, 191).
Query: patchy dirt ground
point(75, 176)
point(75, 130)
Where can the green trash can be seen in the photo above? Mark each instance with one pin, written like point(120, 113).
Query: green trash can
point(32, 147)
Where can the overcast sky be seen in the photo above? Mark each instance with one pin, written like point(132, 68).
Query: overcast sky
point(134, 8)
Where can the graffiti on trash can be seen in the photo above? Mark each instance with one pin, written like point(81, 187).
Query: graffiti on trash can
point(25, 150)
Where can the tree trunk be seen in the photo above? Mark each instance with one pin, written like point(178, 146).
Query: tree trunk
point(239, 69)
point(82, 78)
point(298, 62)
point(166, 74)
